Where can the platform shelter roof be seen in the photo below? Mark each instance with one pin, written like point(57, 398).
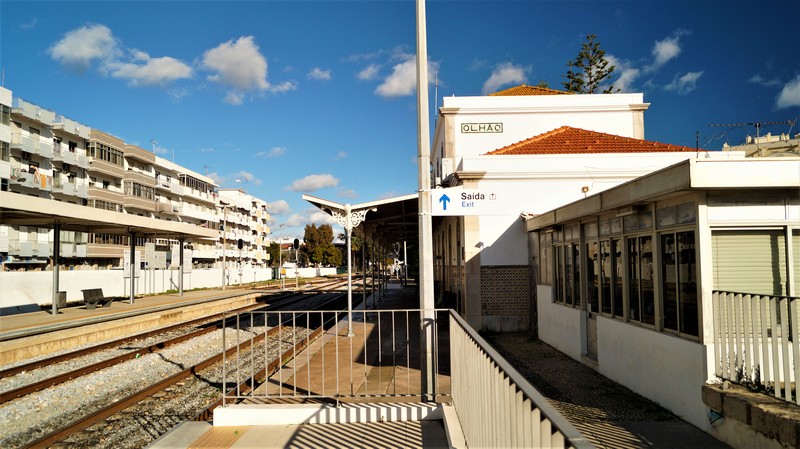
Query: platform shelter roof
point(23, 210)
point(392, 219)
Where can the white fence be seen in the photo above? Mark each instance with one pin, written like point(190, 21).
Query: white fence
point(755, 341)
point(496, 406)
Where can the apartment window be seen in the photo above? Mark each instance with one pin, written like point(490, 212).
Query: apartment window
point(5, 114)
point(640, 279)
point(33, 131)
point(99, 151)
point(5, 154)
point(679, 282)
point(73, 146)
point(138, 190)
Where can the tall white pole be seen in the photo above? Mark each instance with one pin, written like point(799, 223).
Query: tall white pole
point(349, 229)
point(426, 299)
point(224, 242)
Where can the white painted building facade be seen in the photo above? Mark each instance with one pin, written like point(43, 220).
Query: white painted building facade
point(481, 262)
point(624, 280)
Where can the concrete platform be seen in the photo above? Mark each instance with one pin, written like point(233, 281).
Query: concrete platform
point(27, 335)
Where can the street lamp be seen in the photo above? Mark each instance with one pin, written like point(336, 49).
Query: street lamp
point(349, 219)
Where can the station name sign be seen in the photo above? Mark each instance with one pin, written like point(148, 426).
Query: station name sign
point(467, 128)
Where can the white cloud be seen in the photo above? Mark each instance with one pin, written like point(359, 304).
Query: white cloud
point(309, 216)
point(369, 73)
point(215, 177)
point(147, 71)
point(242, 178)
point(684, 84)
point(667, 49)
point(283, 87)
point(274, 152)
point(80, 47)
point(341, 155)
point(626, 73)
point(278, 207)
point(504, 74)
point(312, 183)
point(239, 65)
point(402, 81)
point(318, 74)
point(347, 193)
point(29, 25)
point(234, 97)
point(790, 94)
point(760, 80)
point(207, 150)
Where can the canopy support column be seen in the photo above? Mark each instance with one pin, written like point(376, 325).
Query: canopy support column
point(56, 256)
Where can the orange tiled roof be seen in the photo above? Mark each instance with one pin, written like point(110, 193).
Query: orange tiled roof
point(569, 140)
point(528, 90)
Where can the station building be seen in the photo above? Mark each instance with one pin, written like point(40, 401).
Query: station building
point(543, 148)
point(640, 280)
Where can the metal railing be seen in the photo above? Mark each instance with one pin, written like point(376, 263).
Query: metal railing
point(755, 341)
point(496, 406)
point(380, 360)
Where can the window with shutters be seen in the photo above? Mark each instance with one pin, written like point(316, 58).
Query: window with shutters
point(750, 261)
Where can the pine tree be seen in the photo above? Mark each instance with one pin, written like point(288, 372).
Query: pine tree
point(589, 69)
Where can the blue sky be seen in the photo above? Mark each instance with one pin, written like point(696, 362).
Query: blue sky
point(319, 97)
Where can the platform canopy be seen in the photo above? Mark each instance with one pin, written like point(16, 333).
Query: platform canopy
point(392, 219)
point(24, 210)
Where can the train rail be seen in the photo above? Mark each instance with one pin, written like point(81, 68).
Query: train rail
point(72, 429)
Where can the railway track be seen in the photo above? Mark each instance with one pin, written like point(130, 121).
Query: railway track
point(199, 379)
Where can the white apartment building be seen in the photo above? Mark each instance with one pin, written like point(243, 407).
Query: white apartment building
point(47, 155)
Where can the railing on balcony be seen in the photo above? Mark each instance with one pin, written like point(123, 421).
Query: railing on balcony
point(32, 180)
point(755, 341)
point(496, 406)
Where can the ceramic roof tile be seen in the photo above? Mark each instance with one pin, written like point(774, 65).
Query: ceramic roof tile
point(569, 140)
point(528, 90)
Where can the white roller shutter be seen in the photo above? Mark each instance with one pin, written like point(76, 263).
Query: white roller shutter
point(752, 261)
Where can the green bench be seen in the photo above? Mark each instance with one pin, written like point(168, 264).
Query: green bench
point(94, 296)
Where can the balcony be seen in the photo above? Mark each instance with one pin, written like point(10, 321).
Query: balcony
point(32, 145)
point(167, 208)
point(25, 179)
point(172, 187)
point(140, 203)
point(109, 195)
point(105, 168)
point(134, 152)
point(64, 188)
point(143, 178)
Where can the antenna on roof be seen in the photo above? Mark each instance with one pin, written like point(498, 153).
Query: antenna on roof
point(757, 125)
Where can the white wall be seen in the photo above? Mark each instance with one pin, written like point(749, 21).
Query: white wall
point(526, 116)
point(35, 287)
point(664, 368)
point(559, 326)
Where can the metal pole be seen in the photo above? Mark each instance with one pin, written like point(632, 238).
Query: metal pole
point(364, 271)
point(133, 265)
point(224, 242)
point(425, 225)
point(56, 256)
point(349, 229)
point(180, 268)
